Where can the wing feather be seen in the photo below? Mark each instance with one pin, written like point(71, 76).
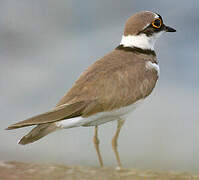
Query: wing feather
point(59, 113)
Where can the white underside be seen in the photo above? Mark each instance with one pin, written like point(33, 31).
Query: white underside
point(99, 118)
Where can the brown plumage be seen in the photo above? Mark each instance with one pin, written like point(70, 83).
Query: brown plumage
point(117, 81)
point(134, 25)
point(38, 132)
point(61, 112)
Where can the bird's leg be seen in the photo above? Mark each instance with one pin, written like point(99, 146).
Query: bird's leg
point(120, 123)
point(96, 144)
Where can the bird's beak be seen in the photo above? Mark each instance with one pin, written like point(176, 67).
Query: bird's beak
point(169, 29)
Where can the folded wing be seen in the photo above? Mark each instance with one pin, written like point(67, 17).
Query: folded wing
point(61, 112)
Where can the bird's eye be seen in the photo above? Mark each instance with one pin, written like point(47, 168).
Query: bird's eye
point(157, 23)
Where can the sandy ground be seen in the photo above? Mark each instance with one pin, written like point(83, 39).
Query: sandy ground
point(31, 171)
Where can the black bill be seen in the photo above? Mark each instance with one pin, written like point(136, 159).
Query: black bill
point(169, 29)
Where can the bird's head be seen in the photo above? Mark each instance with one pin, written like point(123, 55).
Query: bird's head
point(142, 30)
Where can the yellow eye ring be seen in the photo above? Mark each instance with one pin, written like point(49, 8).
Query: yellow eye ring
point(157, 23)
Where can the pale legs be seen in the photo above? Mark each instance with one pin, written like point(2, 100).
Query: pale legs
point(96, 144)
point(120, 123)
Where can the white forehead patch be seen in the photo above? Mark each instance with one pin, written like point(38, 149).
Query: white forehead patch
point(150, 65)
point(156, 15)
point(146, 26)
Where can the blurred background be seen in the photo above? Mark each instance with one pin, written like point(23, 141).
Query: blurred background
point(44, 47)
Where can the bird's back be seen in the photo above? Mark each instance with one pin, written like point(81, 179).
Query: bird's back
point(118, 79)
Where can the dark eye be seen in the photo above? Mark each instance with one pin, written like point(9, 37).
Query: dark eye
point(157, 23)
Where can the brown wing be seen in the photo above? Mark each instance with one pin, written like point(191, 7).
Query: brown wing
point(117, 80)
point(62, 112)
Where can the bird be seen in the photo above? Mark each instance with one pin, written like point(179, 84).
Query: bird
point(110, 89)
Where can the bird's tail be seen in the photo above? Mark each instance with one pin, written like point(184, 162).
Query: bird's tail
point(38, 132)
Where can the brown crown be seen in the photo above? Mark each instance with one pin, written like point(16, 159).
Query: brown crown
point(137, 22)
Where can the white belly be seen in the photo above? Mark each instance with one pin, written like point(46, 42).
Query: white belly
point(99, 118)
